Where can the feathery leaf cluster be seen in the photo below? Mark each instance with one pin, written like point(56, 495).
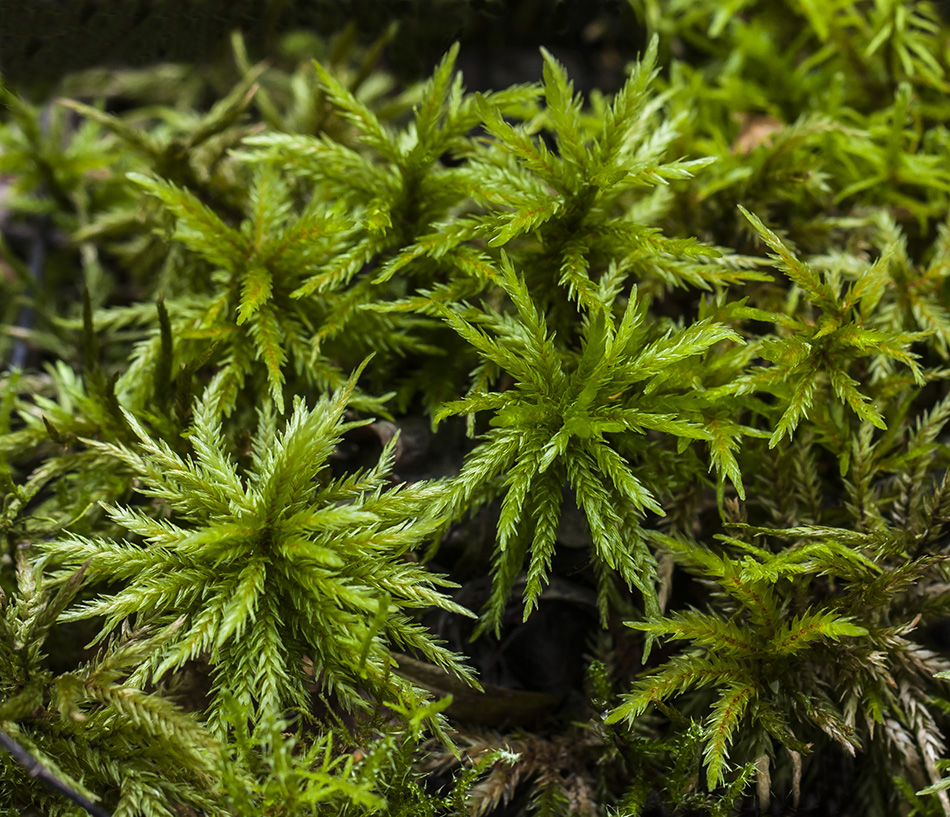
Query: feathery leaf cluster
point(271, 566)
point(88, 728)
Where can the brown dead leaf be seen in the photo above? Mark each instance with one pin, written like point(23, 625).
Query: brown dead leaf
point(756, 129)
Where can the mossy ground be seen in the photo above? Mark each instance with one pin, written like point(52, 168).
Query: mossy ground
point(394, 425)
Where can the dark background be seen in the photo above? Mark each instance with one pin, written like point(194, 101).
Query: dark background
point(41, 40)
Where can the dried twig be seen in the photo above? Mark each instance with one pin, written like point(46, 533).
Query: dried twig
point(37, 770)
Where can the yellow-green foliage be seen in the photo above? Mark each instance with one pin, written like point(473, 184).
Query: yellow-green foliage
point(710, 310)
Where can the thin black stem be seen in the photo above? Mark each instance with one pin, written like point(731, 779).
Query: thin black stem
point(41, 773)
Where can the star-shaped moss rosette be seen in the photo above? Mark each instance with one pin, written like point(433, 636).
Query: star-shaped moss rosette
point(272, 566)
point(581, 419)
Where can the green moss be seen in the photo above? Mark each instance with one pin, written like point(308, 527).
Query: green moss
point(703, 320)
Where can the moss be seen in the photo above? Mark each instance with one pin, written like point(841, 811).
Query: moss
point(349, 416)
